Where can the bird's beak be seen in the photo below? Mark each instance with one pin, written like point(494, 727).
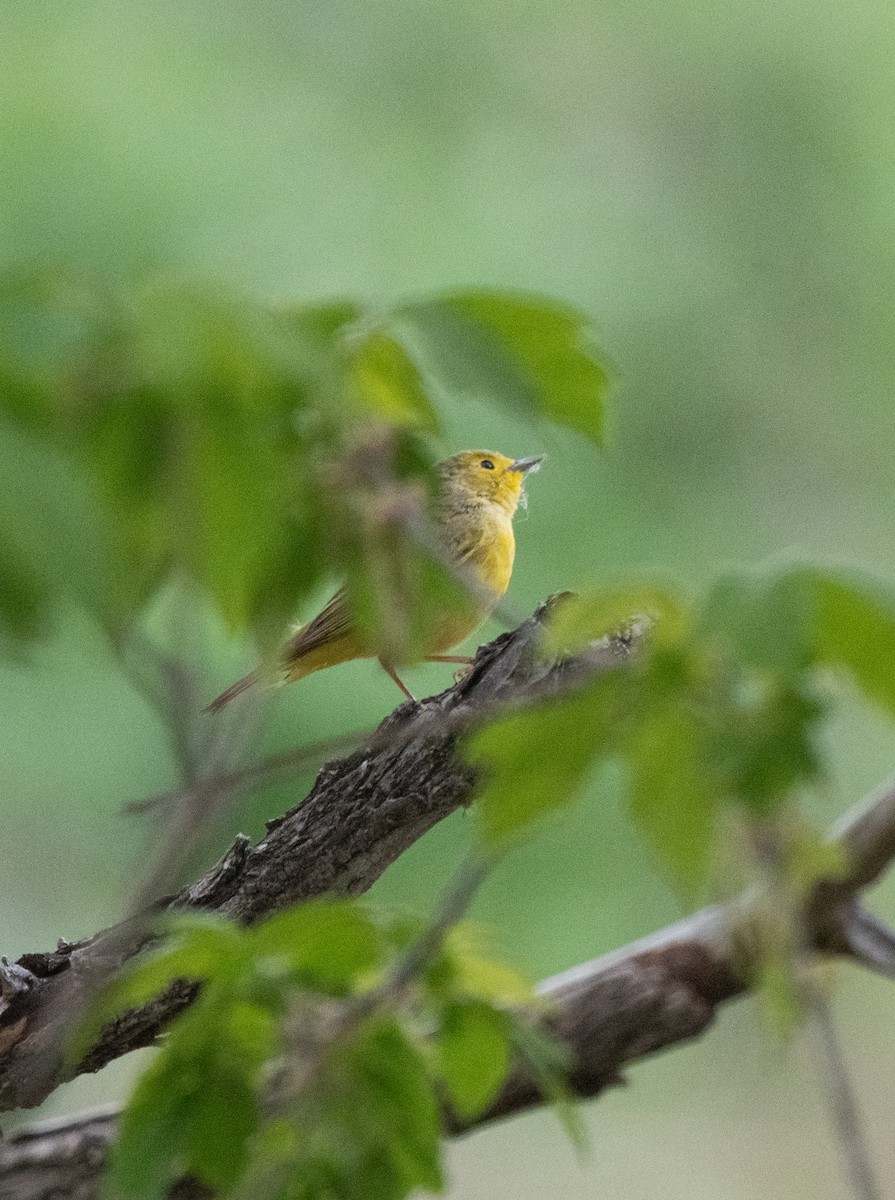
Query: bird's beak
point(525, 465)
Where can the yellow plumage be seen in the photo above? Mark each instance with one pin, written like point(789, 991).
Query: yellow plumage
point(480, 492)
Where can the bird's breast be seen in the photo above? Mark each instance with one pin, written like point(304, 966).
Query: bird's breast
point(492, 555)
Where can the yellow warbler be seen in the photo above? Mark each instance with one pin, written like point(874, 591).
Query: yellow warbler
point(479, 494)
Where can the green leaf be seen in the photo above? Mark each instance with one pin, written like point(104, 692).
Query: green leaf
point(388, 382)
point(674, 793)
point(391, 1082)
point(193, 341)
point(52, 325)
point(234, 483)
point(521, 781)
point(55, 548)
point(473, 1054)
point(330, 942)
point(538, 356)
point(478, 976)
point(325, 322)
point(249, 1033)
point(222, 1116)
point(763, 741)
point(150, 1136)
point(854, 629)
point(588, 616)
point(765, 616)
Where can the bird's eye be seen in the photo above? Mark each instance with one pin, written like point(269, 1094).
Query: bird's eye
point(487, 464)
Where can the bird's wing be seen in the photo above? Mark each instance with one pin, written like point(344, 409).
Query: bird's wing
point(333, 620)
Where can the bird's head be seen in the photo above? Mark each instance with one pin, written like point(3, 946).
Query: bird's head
point(480, 477)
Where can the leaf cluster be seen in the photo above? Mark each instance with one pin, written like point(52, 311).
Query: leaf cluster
point(297, 1073)
point(178, 430)
point(722, 705)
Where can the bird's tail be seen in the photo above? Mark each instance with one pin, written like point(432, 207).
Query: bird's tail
point(234, 690)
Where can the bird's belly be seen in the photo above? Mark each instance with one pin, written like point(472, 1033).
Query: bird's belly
point(452, 630)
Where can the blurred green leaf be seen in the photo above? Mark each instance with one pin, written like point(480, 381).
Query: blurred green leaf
point(674, 794)
point(150, 1135)
point(765, 616)
point(479, 976)
point(854, 629)
point(328, 942)
point(391, 1079)
point(473, 1054)
point(536, 355)
point(555, 347)
point(52, 329)
point(324, 322)
point(521, 782)
point(586, 617)
point(54, 541)
point(388, 382)
point(223, 1115)
point(763, 742)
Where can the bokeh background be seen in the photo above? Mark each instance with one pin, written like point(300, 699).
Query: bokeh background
point(716, 185)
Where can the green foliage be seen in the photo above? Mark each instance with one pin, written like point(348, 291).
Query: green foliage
point(521, 781)
point(473, 1054)
point(854, 631)
point(177, 432)
point(293, 1073)
point(586, 617)
point(674, 793)
point(721, 703)
point(55, 547)
point(248, 450)
point(537, 357)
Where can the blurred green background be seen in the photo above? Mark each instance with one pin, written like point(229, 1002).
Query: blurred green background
point(715, 185)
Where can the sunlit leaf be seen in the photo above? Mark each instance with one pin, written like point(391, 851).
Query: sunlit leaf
point(473, 1054)
point(480, 976)
point(329, 942)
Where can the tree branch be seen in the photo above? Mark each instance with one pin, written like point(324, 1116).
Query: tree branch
point(362, 813)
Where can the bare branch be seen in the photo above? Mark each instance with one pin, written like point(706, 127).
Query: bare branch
point(843, 1102)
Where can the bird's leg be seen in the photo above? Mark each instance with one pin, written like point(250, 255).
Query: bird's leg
point(392, 674)
point(451, 658)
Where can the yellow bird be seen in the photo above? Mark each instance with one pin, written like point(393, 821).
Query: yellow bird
point(479, 494)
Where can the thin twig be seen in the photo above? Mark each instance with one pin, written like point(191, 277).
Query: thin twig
point(842, 1099)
